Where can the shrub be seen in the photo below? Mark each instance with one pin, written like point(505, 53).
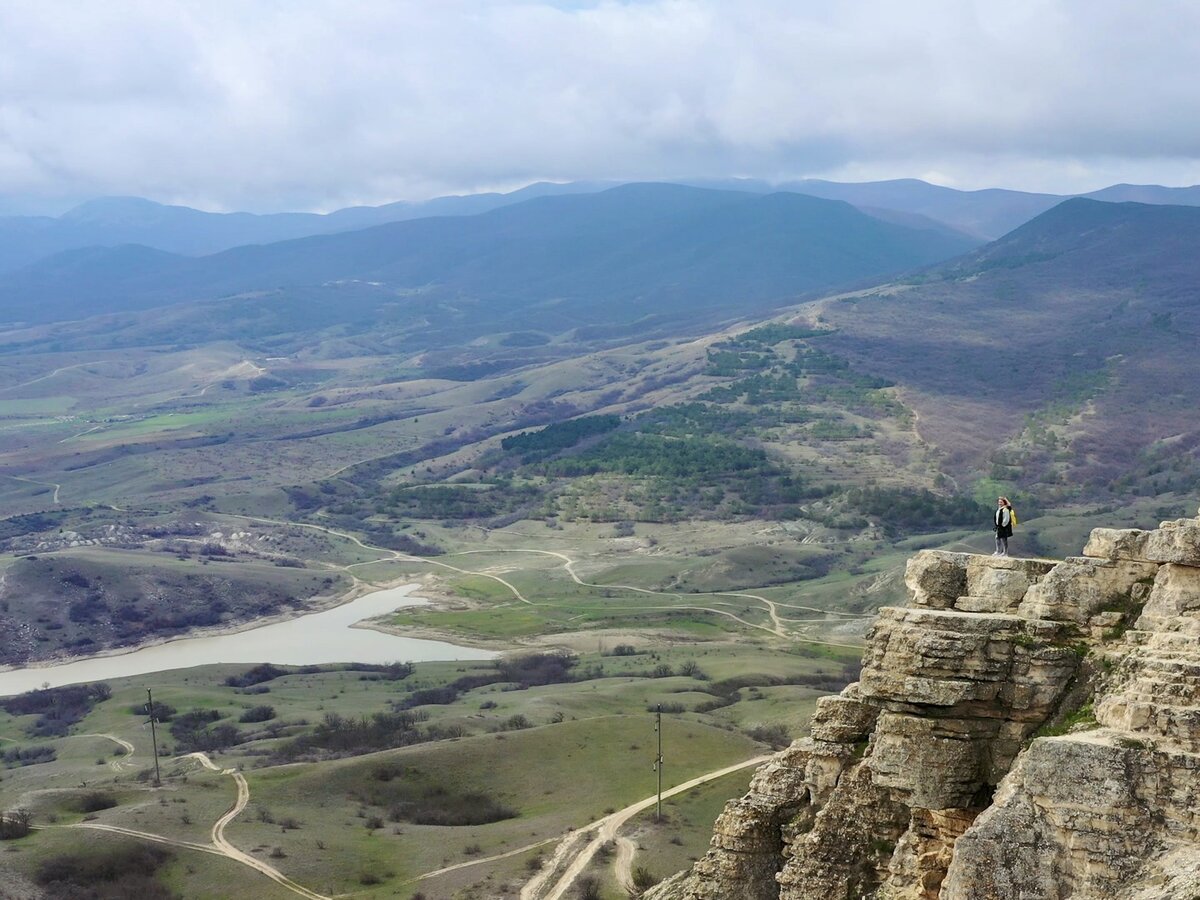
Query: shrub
point(643, 880)
point(537, 669)
point(15, 824)
point(57, 709)
point(672, 708)
point(94, 801)
point(194, 731)
point(344, 735)
point(123, 871)
point(27, 756)
point(776, 736)
point(691, 669)
point(257, 714)
point(256, 675)
point(163, 712)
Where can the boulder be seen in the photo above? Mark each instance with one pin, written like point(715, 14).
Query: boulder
point(1002, 580)
point(1177, 541)
point(1174, 602)
point(936, 578)
point(843, 719)
point(1078, 588)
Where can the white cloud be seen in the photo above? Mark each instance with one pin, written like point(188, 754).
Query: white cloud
point(300, 104)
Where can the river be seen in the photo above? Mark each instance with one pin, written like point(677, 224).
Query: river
point(313, 639)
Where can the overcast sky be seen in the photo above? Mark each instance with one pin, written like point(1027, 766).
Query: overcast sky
point(304, 104)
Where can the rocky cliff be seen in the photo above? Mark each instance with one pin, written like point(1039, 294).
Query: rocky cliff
point(1023, 730)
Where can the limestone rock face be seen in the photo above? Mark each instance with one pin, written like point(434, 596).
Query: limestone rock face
point(1174, 602)
point(1177, 541)
point(927, 780)
point(1077, 589)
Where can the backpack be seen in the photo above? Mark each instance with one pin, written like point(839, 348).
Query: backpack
point(1012, 517)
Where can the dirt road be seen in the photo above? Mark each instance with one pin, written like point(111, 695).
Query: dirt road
point(117, 764)
point(572, 859)
point(225, 848)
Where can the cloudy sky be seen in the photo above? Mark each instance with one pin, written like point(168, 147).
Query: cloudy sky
point(306, 104)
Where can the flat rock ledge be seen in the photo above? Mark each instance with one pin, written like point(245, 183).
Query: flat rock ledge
point(1022, 730)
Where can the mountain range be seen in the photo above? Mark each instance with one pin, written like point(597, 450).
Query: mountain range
point(983, 215)
point(585, 259)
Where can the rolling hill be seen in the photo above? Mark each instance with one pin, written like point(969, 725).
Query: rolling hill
point(1061, 356)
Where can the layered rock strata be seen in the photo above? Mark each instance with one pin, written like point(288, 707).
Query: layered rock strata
point(1024, 729)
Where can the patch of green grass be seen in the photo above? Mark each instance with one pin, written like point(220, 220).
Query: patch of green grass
point(555, 776)
point(1081, 719)
point(36, 406)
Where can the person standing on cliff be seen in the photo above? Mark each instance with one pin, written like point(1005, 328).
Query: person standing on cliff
point(1003, 523)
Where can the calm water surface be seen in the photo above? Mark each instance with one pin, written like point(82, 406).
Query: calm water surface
point(324, 637)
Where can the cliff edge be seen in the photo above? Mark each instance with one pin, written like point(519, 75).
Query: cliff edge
point(1022, 730)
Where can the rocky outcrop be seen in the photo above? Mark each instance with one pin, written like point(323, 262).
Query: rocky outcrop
point(1024, 729)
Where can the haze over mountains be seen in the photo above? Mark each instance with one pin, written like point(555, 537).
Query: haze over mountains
point(583, 259)
point(110, 221)
point(984, 214)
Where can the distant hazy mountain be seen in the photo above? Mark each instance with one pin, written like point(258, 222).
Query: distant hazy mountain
point(987, 214)
point(112, 221)
point(1148, 193)
point(609, 256)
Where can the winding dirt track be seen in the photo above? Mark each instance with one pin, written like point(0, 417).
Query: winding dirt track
point(623, 865)
point(604, 830)
point(771, 606)
point(772, 610)
point(476, 862)
point(117, 764)
point(220, 846)
point(149, 836)
point(57, 487)
point(225, 848)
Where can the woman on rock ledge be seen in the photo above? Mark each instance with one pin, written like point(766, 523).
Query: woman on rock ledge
point(1003, 522)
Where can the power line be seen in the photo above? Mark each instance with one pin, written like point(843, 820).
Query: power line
point(153, 736)
point(658, 762)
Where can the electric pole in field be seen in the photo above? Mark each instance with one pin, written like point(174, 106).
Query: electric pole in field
point(153, 736)
point(658, 762)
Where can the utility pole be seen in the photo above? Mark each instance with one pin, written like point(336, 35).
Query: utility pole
point(153, 737)
point(658, 762)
